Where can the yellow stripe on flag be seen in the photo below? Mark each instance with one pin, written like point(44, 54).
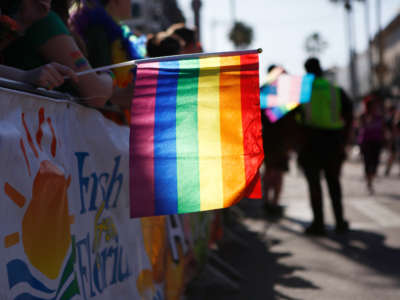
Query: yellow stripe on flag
point(231, 130)
point(210, 165)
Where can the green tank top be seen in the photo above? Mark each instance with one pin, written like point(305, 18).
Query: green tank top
point(324, 109)
point(23, 53)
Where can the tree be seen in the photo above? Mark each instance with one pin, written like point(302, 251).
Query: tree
point(241, 35)
point(315, 44)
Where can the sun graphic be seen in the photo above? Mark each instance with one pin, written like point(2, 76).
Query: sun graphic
point(46, 234)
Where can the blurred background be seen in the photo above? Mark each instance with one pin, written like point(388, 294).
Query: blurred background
point(357, 41)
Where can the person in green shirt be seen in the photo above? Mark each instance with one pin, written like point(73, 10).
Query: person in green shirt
point(48, 76)
point(327, 123)
point(48, 40)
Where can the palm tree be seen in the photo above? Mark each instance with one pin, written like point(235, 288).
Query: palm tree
point(315, 44)
point(241, 35)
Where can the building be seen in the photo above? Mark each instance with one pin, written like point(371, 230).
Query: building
point(385, 76)
point(389, 72)
point(341, 76)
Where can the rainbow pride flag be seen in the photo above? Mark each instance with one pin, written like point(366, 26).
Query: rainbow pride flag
point(195, 137)
point(286, 90)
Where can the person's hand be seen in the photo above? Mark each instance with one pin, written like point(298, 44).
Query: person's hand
point(50, 76)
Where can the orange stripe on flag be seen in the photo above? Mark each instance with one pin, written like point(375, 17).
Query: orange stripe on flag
point(233, 169)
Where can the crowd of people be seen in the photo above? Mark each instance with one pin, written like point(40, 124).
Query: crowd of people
point(322, 133)
point(45, 45)
point(318, 131)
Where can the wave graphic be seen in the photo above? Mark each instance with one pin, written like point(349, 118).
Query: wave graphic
point(71, 289)
point(27, 296)
point(18, 272)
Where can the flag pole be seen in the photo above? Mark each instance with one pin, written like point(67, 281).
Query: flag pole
point(196, 55)
point(105, 68)
point(135, 62)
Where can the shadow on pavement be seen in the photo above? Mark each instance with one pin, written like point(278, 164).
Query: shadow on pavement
point(259, 267)
point(391, 196)
point(364, 247)
point(368, 248)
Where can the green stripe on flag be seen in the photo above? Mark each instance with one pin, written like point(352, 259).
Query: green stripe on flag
point(187, 149)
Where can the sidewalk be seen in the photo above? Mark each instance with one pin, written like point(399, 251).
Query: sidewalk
point(277, 261)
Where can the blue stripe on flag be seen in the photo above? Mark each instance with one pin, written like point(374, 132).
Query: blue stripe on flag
point(306, 88)
point(263, 96)
point(265, 90)
point(165, 169)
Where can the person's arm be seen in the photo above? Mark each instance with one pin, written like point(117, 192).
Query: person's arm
point(347, 115)
point(100, 56)
point(95, 89)
point(123, 96)
point(48, 76)
point(396, 127)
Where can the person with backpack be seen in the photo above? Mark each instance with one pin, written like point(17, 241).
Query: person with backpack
point(327, 121)
point(371, 137)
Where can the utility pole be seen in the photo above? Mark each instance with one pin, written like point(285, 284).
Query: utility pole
point(196, 5)
point(352, 52)
point(369, 45)
point(380, 66)
point(233, 11)
point(351, 41)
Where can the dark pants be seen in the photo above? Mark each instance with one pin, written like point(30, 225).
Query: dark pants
point(323, 153)
point(331, 170)
point(371, 152)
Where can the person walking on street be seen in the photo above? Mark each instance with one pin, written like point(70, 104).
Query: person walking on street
point(371, 137)
point(327, 121)
point(392, 136)
point(276, 140)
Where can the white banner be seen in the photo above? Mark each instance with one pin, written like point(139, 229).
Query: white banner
point(65, 226)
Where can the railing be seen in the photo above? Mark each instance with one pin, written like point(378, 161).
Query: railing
point(27, 88)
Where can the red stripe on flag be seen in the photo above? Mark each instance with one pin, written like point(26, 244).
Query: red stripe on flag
point(251, 119)
point(254, 190)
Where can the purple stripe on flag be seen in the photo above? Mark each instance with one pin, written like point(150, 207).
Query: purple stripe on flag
point(271, 116)
point(142, 141)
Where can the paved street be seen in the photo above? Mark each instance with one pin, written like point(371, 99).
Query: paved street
point(277, 261)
